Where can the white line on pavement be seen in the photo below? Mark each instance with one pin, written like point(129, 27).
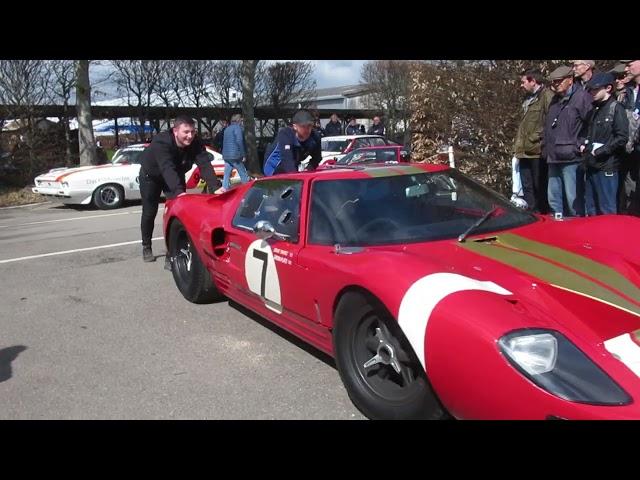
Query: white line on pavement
point(22, 206)
point(9, 260)
point(69, 219)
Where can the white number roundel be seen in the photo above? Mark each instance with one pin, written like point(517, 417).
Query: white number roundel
point(262, 275)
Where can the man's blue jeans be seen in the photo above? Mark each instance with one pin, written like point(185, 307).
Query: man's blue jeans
point(229, 165)
point(601, 192)
point(566, 185)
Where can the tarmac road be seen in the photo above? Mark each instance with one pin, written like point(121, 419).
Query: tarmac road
point(89, 331)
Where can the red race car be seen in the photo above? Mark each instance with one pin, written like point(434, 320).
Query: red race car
point(436, 296)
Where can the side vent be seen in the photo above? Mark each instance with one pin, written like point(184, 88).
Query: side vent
point(219, 241)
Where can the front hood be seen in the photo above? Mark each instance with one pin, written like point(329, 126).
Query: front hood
point(573, 276)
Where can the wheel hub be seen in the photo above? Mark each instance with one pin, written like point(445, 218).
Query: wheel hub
point(385, 354)
point(186, 252)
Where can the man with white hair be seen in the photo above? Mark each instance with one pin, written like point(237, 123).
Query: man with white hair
point(583, 71)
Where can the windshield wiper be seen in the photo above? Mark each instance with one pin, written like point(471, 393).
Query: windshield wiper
point(479, 222)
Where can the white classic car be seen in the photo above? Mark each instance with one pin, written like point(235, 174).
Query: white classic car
point(107, 186)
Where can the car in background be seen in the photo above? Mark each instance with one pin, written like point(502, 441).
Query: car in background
point(388, 154)
point(336, 146)
point(108, 186)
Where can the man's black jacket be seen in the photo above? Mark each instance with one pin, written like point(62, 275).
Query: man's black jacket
point(164, 159)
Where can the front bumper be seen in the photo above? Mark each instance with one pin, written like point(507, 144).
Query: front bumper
point(65, 195)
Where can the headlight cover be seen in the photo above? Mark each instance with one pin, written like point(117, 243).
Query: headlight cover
point(552, 362)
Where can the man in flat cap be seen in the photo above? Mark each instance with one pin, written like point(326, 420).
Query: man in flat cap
point(561, 142)
point(294, 145)
point(604, 148)
point(623, 91)
point(583, 71)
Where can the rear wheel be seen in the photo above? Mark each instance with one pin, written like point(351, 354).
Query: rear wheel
point(382, 375)
point(191, 276)
point(109, 196)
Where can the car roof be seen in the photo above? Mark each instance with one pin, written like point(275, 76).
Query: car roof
point(135, 145)
point(379, 147)
point(370, 170)
point(350, 137)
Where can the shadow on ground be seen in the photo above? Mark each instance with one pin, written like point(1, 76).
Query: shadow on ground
point(8, 355)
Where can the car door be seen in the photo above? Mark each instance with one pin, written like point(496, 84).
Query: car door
point(266, 272)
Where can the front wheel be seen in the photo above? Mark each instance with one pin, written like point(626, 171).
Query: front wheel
point(109, 196)
point(381, 373)
point(191, 276)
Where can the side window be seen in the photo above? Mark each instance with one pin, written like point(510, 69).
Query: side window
point(377, 142)
point(277, 202)
point(134, 157)
point(361, 142)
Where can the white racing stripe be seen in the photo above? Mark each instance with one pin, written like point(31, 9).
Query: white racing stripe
point(625, 350)
point(70, 219)
point(31, 257)
point(424, 295)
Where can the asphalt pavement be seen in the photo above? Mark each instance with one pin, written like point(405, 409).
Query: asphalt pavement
point(89, 331)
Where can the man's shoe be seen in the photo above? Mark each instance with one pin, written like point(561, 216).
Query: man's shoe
point(167, 262)
point(220, 190)
point(147, 254)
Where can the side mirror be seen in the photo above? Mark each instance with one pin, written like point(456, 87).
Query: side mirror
point(331, 161)
point(264, 229)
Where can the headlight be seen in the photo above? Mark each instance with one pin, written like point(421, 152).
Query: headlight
point(552, 362)
point(65, 184)
point(535, 354)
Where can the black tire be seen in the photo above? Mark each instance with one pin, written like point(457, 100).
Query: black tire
point(108, 196)
point(191, 277)
point(378, 391)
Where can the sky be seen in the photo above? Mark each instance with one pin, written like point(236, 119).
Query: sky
point(328, 73)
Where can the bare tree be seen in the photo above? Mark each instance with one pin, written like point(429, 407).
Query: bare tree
point(139, 80)
point(86, 140)
point(266, 127)
point(23, 87)
point(170, 88)
point(389, 82)
point(248, 81)
point(224, 83)
point(196, 77)
point(289, 83)
point(63, 84)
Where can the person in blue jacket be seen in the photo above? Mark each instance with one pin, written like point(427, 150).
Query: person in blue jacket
point(294, 145)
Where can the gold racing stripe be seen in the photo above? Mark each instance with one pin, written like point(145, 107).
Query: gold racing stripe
point(558, 275)
point(603, 273)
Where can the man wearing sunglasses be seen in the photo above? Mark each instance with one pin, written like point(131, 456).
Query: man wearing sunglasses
point(629, 173)
point(561, 142)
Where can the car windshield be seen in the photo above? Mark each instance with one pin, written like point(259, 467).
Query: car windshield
point(127, 155)
point(418, 207)
point(379, 155)
point(334, 145)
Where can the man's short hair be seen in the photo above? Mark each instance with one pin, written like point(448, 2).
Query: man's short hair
point(183, 119)
point(533, 74)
